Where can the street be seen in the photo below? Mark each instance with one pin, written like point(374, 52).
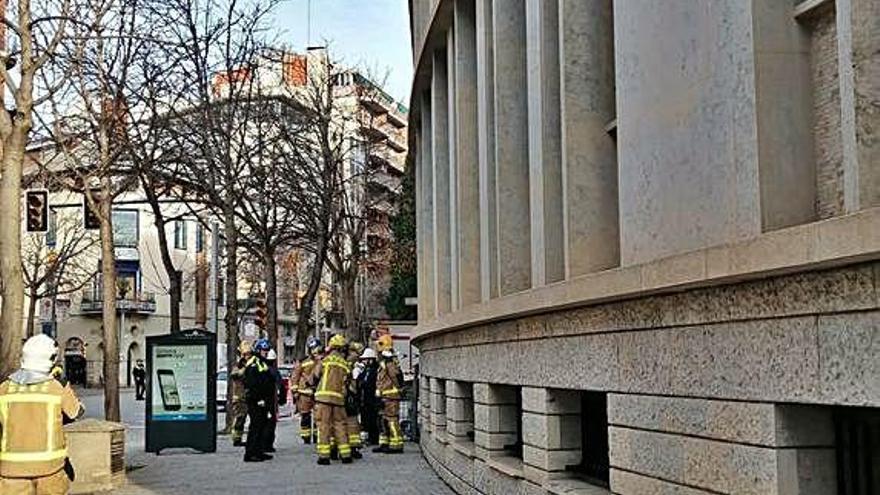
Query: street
point(292, 471)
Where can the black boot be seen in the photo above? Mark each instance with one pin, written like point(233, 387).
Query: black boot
point(307, 440)
point(323, 461)
point(346, 460)
point(381, 449)
point(238, 443)
point(356, 454)
point(253, 459)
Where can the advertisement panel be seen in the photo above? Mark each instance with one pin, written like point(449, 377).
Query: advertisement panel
point(180, 388)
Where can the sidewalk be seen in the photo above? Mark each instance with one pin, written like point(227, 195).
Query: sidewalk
point(293, 471)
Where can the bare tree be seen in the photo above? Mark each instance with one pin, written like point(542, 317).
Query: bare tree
point(216, 42)
point(58, 263)
point(36, 33)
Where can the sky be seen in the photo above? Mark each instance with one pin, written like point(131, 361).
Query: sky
point(368, 34)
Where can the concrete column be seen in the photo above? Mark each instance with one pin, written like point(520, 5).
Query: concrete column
point(551, 432)
point(453, 170)
point(545, 158)
point(589, 153)
point(469, 213)
point(427, 298)
point(438, 410)
point(425, 403)
point(511, 146)
point(858, 45)
point(459, 410)
point(440, 146)
point(486, 150)
point(494, 419)
point(788, 449)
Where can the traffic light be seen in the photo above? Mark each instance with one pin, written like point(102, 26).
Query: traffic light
point(260, 313)
point(90, 219)
point(37, 214)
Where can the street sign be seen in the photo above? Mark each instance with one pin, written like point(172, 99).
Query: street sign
point(181, 408)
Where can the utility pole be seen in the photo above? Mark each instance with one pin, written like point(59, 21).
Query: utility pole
point(214, 276)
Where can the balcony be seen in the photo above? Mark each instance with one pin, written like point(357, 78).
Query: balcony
point(143, 302)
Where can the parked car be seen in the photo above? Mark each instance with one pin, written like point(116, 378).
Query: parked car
point(222, 377)
point(286, 370)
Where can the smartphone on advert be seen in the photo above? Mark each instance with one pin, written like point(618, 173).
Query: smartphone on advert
point(168, 387)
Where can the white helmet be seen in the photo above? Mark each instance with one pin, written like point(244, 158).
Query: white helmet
point(368, 353)
point(271, 356)
point(38, 353)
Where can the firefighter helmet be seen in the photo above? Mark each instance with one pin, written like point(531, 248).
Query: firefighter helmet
point(244, 347)
point(369, 353)
point(38, 353)
point(337, 341)
point(262, 345)
point(356, 347)
point(384, 343)
point(271, 356)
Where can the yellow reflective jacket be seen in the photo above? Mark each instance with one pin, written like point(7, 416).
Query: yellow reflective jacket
point(32, 442)
point(388, 381)
point(332, 374)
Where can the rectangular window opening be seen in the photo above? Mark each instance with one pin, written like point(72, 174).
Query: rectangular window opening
point(179, 234)
point(857, 449)
point(512, 414)
point(594, 465)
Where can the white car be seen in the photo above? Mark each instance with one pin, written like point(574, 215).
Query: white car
point(222, 376)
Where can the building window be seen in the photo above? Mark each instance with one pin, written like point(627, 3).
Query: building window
point(516, 448)
point(857, 445)
point(200, 238)
point(125, 228)
point(594, 465)
point(179, 234)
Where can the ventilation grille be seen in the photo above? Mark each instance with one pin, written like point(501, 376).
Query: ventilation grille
point(117, 452)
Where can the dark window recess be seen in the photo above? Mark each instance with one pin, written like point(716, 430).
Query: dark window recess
point(593, 467)
point(857, 434)
point(516, 448)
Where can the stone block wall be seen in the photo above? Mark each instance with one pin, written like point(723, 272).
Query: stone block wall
point(727, 389)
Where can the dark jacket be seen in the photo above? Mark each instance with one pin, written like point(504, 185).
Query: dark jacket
point(259, 382)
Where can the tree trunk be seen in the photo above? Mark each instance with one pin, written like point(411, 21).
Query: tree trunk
point(108, 294)
point(308, 301)
point(201, 290)
point(10, 250)
point(231, 294)
point(269, 269)
point(175, 291)
point(32, 311)
point(348, 298)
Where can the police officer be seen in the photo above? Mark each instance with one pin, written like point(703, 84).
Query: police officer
point(140, 379)
point(332, 375)
point(388, 383)
point(259, 393)
point(238, 407)
point(33, 408)
point(278, 400)
point(303, 392)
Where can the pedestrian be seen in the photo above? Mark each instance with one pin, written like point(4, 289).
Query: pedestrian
point(332, 375)
point(35, 405)
point(388, 383)
point(140, 380)
point(303, 392)
point(260, 392)
point(279, 399)
point(238, 407)
point(352, 402)
point(369, 403)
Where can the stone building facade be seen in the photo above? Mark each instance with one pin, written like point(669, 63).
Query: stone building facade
point(649, 245)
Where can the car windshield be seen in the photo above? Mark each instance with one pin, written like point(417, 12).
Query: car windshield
point(221, 375)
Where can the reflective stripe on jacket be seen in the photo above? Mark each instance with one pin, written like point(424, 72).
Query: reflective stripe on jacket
point(387, 382)
point(333, 371)
point(32, 440)
point(302, 376)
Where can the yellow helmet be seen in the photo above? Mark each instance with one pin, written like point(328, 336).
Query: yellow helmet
point(337, 341)
point(385, 343)
point(244, 347)
point(356, 347)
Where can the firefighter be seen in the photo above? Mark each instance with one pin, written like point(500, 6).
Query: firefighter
point(33, 408)
point(332, 375)
point(303, 393)
point(352, 402)
point(239, 405)
point(260, 393)
point(388, 385)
